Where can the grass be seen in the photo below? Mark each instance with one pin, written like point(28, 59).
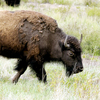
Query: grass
point(93, 12)
point(84, 86)
point(69, 2)
point(64, 2)
point(74, 17)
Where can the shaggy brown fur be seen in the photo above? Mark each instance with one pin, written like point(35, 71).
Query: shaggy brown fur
point(14, 27)
point(38, 21)
point(34, 39)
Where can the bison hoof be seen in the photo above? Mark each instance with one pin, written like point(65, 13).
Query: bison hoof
point(15, 80)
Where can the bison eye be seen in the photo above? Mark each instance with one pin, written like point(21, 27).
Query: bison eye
point(71, 54)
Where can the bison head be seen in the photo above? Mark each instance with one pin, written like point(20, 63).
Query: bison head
point(71, 55)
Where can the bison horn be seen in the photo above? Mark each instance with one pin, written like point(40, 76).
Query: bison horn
point(81, 39)
point(65, 42)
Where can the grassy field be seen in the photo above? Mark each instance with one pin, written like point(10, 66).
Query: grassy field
point(82, 86)
point(74, 17)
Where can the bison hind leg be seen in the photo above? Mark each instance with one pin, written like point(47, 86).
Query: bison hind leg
point(21, 68)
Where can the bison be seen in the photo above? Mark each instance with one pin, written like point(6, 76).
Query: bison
point(34, 38)
point(12, 2)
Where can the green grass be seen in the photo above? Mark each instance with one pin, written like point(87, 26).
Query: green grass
point(63, 2)
point(93, 12)
point(69, 2)
point(84, 86)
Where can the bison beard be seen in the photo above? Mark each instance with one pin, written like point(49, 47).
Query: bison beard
point(12, 2)
point(34, 38)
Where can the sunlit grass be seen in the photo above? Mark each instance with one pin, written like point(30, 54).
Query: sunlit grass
point(82, 86)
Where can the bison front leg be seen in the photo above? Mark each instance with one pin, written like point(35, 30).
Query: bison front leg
point(41, 74)
point(21, 68)
point(40, 71)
